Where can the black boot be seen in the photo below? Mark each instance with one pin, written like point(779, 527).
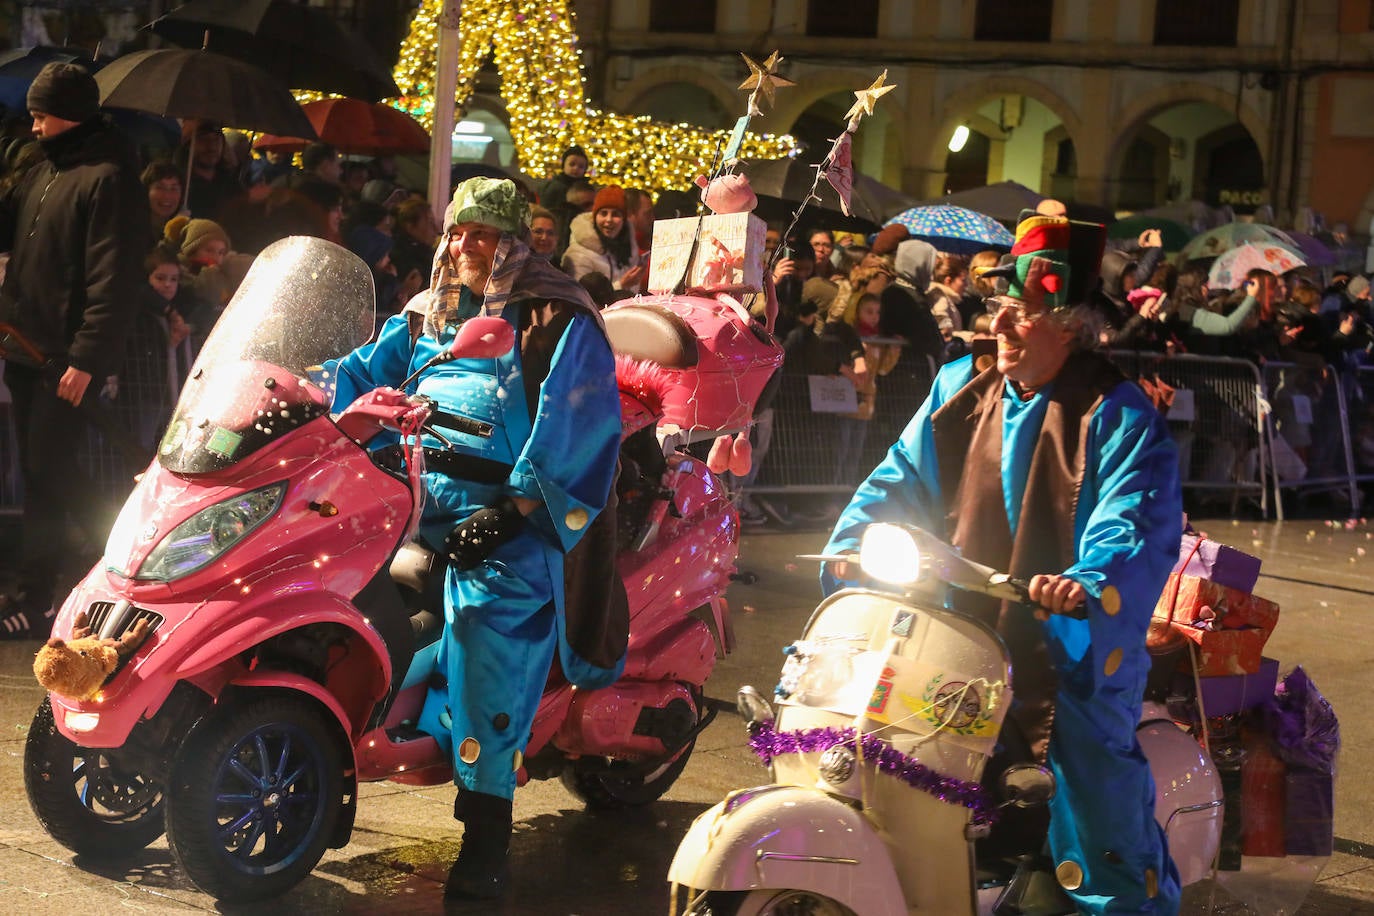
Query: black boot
point(480, 871)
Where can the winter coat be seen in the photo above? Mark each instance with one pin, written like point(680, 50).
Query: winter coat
point(587, 254)
point(76, 226)
point(944, 305)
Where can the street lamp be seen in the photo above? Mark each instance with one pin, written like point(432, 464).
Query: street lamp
point(960, 137)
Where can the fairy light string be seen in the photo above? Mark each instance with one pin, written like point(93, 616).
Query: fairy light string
point(534, 44)
point(863, 105)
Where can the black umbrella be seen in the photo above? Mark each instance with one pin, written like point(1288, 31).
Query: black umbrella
point(204, 86)
point(303, 46)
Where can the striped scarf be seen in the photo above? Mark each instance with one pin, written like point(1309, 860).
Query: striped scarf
point(515, 275)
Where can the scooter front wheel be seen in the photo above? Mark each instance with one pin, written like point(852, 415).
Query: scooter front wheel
point(254, 797)
point(767, 903)
point(84, 798)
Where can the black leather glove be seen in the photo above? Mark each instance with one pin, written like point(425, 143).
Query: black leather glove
point(474, 538)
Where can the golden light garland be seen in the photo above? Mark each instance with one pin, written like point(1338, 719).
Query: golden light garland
point(534, 43)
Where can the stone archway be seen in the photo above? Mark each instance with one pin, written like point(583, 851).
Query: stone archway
point(961, 106)
point(1129, 123)
point(635, 94)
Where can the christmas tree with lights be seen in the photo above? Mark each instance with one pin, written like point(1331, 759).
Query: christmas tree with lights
point(534, 44)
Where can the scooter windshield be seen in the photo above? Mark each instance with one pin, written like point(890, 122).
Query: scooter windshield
point(304, 301)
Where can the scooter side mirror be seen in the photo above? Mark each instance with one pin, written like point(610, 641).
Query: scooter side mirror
point(482, 338)
point(753, 708)
point(1027, 785)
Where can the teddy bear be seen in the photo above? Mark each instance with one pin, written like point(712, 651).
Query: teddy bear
point(77, 667)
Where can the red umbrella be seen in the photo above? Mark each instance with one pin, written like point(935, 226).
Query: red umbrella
point(354, 126)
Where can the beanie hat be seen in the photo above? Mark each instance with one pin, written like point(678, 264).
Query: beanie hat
point(64, 91)
point(1357, 287)
point(889, 237)
point(369, 243)
point(190, 234)
point(491, 201)
point(609, 197)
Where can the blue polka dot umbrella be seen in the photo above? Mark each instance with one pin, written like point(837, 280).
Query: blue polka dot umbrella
point(955, 230)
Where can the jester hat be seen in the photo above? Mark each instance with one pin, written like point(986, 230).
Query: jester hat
point(1037, 271)
point(1054, 261)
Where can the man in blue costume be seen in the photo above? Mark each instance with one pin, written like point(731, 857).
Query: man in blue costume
point(509, 509)
point(1050, 465)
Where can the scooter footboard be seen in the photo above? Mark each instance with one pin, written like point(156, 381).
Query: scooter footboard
point(794, 838)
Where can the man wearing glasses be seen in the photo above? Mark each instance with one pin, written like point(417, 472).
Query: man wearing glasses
point(1050, 465)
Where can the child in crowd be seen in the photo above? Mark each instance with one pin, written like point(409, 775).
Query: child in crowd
point(202, 248)
point(155, 355)
point(878, 359)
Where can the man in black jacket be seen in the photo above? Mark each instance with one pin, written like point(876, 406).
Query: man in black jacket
point(75, 227)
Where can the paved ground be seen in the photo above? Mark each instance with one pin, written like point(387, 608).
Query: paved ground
point(569, 862)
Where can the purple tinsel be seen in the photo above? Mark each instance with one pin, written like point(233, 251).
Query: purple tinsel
point(768, 743)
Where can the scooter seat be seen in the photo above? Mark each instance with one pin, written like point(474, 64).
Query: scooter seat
point(652, 333)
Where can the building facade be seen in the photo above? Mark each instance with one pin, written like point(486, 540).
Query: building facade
point(1127, 104)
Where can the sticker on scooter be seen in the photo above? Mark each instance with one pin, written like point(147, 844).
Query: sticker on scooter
point(882, 692)
point(963, 707)
point(901, 623)
point(223, 442)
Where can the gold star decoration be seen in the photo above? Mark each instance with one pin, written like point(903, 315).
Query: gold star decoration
point(866, 97)
point(763, 78)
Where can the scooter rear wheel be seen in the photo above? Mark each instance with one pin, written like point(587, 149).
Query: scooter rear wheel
point(609, 785)
point(83, 797)
point(254, 797)
point(767, 903)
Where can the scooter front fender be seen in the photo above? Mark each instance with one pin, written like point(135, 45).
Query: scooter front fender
point(793, 838)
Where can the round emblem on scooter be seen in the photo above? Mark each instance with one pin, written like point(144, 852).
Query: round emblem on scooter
point(837, 765)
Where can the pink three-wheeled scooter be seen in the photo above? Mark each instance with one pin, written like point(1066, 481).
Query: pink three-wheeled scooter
point(293, 623)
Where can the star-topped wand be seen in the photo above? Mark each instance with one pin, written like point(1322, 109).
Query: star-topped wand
point(837, 166)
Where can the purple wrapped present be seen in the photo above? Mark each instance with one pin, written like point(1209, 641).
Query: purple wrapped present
point(1232, 693)
point(1208, 559)
point(1308, 814)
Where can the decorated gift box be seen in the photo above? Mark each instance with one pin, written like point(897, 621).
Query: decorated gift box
point(729, 253)
point(1205, 558)
point(1189, 601)
point(1226, 652)
point(1224, 695)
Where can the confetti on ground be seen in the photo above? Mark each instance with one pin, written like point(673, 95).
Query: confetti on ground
point(791, 567)
point(748, 609)
point(1323, 604)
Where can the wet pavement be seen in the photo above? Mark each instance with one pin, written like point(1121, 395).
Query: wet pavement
point(567, 862)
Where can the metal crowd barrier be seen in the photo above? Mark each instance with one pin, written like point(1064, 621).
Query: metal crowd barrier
point(1310, 431)
point(806, 454)
point(1240, 433)
point(1217, 423)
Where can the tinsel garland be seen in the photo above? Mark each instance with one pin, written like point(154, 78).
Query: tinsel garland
point(768, 743)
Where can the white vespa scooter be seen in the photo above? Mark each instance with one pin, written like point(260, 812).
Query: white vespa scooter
point(889, 708)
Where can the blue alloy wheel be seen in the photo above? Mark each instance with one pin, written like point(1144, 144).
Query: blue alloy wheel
point(256, 792)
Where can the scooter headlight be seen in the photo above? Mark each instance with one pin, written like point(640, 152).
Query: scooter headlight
point(200, 539)
point(889, 554)
point(837, 765)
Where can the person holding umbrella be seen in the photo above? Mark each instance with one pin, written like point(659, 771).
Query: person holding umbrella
point(75, 227)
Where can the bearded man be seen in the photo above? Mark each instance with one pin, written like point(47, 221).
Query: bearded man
point(506, 509)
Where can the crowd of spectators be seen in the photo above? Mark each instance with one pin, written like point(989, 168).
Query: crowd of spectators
point(851, 305)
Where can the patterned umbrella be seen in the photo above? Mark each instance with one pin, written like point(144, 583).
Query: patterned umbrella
point(954, 229)
point(1229, 270)
point(1313, 250)
point(1224, 238)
